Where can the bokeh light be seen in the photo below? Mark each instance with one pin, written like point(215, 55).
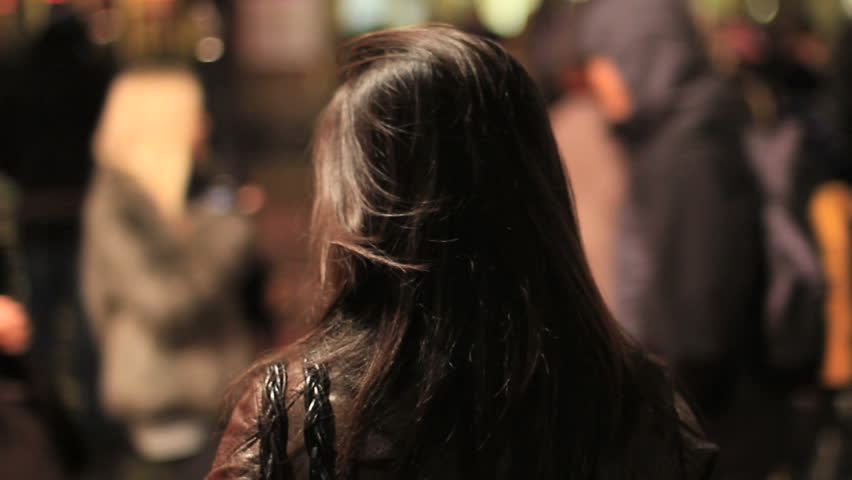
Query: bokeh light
point(209, 49)
point(6, 6)
point(357, 16)
point(847, 6)
point(762, 11)
point(104, 26)
point(506, 19)
point(408, 12)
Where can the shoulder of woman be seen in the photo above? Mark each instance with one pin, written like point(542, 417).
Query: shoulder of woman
point(269, 406)
point(237, 454)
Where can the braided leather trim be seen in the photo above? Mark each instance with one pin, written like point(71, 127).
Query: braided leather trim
point(273, 426)
point(319, 423)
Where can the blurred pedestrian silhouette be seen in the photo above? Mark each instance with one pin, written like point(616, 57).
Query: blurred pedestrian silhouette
point(50, 97)
point(163, 268)
point(690, 262)
point(37, 440)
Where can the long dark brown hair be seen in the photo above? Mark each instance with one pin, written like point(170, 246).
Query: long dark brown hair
point(456, 305)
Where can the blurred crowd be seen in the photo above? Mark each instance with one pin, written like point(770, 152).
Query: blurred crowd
point(710, 162)
point(154, 190)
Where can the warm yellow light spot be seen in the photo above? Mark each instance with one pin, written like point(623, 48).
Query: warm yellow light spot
point(506, 18)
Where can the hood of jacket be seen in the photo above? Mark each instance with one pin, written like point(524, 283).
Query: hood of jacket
point(656, 46)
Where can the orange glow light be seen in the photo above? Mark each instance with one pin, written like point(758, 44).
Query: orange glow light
point(7, 6)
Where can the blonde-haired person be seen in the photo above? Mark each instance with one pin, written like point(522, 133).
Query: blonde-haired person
point(161, 273)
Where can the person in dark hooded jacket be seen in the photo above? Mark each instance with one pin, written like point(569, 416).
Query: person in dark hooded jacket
point(690, 273)
point(690, 276)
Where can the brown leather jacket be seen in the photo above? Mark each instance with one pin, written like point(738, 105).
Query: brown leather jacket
point(238, 455)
